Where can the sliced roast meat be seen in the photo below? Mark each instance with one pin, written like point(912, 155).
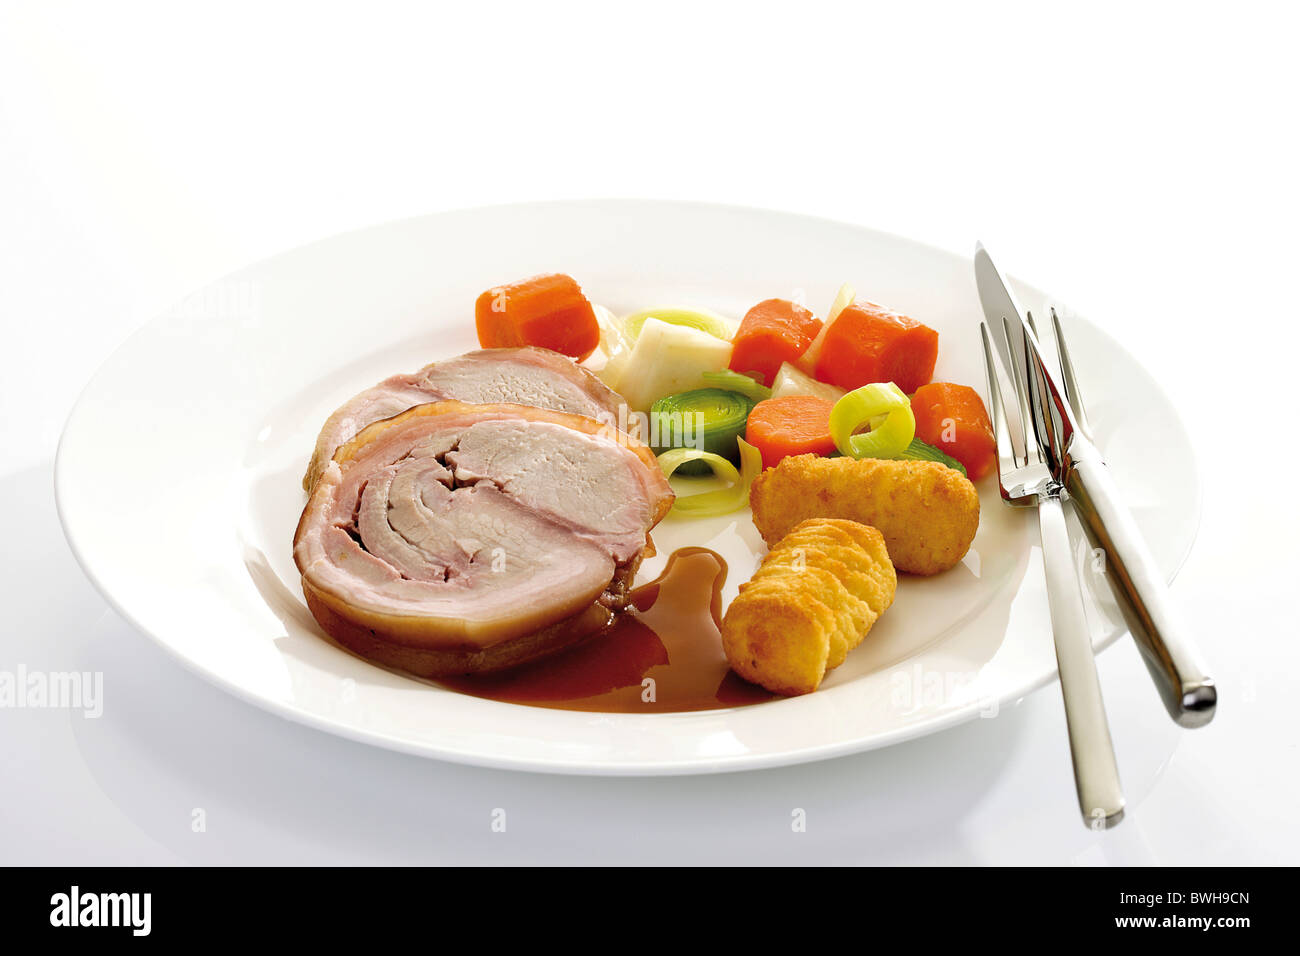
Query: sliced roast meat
point(542, 467)
point(520, 376)
point(457, 538)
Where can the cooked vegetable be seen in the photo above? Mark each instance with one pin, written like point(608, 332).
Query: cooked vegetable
point(807, 363)
point(735, 382)
point(611, 355)
point(710, 419)
point(701, 319)
point(868, 343)
point(613, 332)
point(667, 359)
point(790, 381)
point(793, 425)
point(772, 332)
point(546, 310)
point(724, 500)
point(843, 299)
point(920, 451)
point(953, 419)
point(885, 409)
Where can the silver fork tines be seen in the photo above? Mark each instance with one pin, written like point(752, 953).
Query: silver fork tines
point(1070, 381)
point(1023, 476)
point(1052, 423)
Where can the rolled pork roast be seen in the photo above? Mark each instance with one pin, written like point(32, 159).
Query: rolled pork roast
point(521, 376)
point(460, 538)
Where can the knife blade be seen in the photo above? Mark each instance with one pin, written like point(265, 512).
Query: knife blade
point(999, 303)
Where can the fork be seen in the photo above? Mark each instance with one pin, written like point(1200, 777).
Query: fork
point(1025, 480)
point(1069, 380)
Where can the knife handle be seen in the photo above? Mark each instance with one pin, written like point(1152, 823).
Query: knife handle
point(1175, 665)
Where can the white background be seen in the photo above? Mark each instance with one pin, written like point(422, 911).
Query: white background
point(1138, 160)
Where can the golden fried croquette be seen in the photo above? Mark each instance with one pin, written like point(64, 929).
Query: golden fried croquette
point(815, 576)
point(811, 601)
point(871, 577)
point(774, 639)
point(927, 512)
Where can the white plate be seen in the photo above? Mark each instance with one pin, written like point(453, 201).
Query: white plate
point(178, 478)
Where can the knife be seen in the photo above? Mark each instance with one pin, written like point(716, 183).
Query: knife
point(1175, 665)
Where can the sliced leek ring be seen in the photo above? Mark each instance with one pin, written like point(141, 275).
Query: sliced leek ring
point(709, 419)
point(724, 500)
point(885, 409)
point(701, 319)
point(737, 382)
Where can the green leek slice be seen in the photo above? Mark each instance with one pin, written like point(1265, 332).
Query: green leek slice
point(737, 382)
point(707, 419)
point(920, 451)
point(700, 319)
point(724, 500)
point(885, 408)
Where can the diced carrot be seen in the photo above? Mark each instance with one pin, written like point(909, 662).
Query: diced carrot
point(791, 425)
point(953, 419)
point(772, 332)
point(867, 343)
point(546, 310)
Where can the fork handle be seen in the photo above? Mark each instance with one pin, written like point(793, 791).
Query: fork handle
point(1096, 777)
point(1175, 665)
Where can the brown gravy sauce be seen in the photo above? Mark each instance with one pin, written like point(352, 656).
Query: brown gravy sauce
point(669, 634)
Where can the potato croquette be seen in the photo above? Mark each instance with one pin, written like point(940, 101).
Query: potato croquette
point(812, 600)
point(824, 583)
point(927, 512)
point(774, 638)
point(876, 577)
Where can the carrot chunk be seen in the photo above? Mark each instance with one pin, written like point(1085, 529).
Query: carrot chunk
point(867, 343)
point(547, 310)
point(791, 425)
point(953, 419)
point(772, 332)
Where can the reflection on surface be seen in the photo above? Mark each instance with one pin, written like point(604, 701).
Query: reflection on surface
point(277, 792)
point(287, 605)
